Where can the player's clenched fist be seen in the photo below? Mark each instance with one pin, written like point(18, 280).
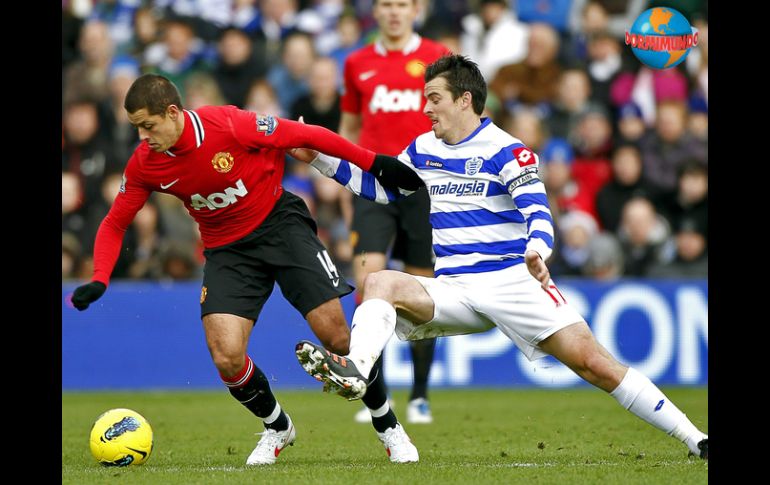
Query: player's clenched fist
point(87, 294)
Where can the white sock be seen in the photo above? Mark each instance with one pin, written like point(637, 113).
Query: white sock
point(274, 415)
point(373, 324)
point(381, 411)
point(640, 396)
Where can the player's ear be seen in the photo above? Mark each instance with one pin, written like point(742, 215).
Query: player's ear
point(467, 99)
point(173, 112)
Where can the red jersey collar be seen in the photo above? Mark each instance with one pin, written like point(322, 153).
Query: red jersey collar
point(411, 46)
point(192, 135)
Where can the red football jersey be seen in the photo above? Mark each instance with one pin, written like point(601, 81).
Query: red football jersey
point(226, 167)
point(386, 89)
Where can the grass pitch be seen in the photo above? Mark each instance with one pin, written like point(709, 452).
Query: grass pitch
point(478, 436)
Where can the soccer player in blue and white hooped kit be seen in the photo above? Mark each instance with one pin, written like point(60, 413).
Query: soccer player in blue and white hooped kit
point(492, 232)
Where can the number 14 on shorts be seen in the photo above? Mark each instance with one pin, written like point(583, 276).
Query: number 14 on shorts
point(329, 267)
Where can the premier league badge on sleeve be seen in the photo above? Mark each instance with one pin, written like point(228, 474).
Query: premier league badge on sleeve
point(266, 124)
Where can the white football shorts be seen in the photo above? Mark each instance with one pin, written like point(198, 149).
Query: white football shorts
point(510, 299)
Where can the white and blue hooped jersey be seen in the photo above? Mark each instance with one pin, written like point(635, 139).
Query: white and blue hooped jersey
point(488, 206)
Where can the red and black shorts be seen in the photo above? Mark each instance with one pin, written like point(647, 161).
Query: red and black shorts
point(404, 223)
point(238, 277)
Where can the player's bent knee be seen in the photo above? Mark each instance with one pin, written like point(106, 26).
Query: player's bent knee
point(228, 364)
point(379, 285)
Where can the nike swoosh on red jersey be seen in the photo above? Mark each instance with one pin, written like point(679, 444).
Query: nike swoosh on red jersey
point(164, 187)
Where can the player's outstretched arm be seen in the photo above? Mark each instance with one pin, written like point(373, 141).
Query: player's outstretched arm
point(386, 181)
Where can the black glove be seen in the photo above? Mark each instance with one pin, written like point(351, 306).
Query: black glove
point(87, 294)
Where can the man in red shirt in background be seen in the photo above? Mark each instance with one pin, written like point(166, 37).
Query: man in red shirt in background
point(226, 165)
point(382, 111)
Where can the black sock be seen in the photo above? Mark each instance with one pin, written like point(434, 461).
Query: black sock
point(422, 359)
point(376, 395)
point(255, 394)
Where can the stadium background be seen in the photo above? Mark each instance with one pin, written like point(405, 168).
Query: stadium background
point(623, 151)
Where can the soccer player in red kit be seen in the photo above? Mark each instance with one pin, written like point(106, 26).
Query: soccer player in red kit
point(382, 111)
point(226, 165)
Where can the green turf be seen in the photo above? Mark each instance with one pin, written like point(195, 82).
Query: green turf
point(479, 436)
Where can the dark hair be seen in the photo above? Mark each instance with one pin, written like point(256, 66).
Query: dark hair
point(153, 92)
point(461, 74)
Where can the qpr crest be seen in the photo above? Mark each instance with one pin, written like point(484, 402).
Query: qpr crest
point(473, 165)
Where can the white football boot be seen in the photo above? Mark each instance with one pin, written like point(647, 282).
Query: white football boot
point(271, 444)
point(398, 445)
point(418, 412)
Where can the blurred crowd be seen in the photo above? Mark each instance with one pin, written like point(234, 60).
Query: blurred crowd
point(623, 148)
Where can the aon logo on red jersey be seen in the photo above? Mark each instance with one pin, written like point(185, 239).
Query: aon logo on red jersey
point(217, 200)
point(394, 100)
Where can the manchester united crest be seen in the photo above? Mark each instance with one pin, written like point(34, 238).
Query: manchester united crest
point(204, 293)
point(415, 68)
point(223, 162)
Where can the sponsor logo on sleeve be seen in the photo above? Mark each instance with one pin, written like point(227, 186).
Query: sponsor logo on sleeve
point(524, 156)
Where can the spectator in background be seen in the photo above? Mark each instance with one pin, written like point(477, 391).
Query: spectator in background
point(177, 261)
point(648, 87)
point(86, 79)
point(147, 242)
point(493, 37)
point(698, 121)
point(124, 138)
point(666, 149)
point(605, 258)
point(180, 55)
point(586, 19)
point(564, 193)
point(146, 31)
point(263, 99)
point(321, 106)
point(573, 93)
point(238, 66)
point(691, 259)
point(535, 79)
point(592, 139)
point(615, 16)
point(348, 40)
point(87, 152)
point(319, 19)
point(289, 79)
point(73, 215)
point(202, 90)
point(626, 183)
point(118, 15)
point(70, 256)
point(644, 236)
point(605, 63)
point(526, 125)
point(630, 124)
point(576, 229)
point(278, 20)
point(691, 198)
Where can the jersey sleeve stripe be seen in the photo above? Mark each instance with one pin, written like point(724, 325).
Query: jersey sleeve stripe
point(343, 173)
point(526, 200)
